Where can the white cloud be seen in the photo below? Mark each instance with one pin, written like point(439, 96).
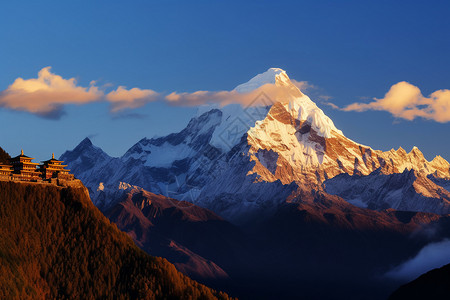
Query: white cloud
point(404, 100)
point(122, 98)
point(331, 104)
point(431, 256)
point(46, 94)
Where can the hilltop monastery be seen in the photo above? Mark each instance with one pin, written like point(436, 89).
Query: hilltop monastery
point(21, 168)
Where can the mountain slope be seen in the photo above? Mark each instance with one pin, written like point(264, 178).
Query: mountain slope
point(434, 284)
point(303, 246)
point(193, 238)
point(55, 244)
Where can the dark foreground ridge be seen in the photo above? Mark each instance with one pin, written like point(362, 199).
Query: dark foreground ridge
point(434, 284)
point(55, 244)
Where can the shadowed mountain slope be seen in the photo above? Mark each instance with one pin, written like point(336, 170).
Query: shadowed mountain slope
point(195, 239)
point(434, 284)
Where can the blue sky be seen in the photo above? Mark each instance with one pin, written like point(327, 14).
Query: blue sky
point(351, 51)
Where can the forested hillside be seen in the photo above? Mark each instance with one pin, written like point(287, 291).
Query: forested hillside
point(55, 244)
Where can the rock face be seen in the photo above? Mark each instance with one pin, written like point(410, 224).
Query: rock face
point(244, 162)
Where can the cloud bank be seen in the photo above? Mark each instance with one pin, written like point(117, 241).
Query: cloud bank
point(47, 94)
point(404, 100)
point(431, 256)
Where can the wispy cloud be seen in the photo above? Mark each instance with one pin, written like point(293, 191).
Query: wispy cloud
point(404, 100)
point(331, 104)
point(121, 98)
point(304, 86)
point(434, 255)
point(273, 92)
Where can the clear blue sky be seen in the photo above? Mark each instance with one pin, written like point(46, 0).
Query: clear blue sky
point(350, 50)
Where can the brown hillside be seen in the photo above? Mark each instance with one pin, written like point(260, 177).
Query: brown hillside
point(55, 244)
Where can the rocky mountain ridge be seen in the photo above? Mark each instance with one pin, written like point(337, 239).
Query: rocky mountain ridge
point(245, 161)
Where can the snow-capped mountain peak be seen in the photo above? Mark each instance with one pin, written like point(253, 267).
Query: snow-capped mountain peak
point(268, 77)
point(278, 93)
point(241, 159)
point(297, 104)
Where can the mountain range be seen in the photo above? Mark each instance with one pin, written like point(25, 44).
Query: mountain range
point(270, 198)
point(240, 162)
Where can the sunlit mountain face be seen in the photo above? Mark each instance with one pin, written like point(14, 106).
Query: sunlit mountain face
point(263, 195)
